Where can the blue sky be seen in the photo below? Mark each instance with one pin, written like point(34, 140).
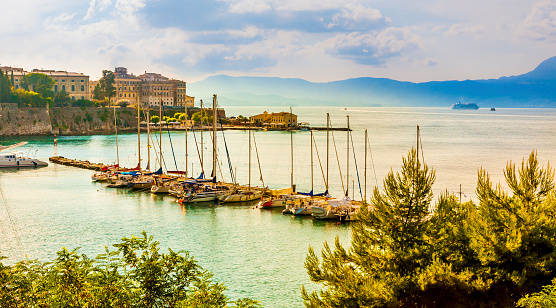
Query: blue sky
point(317, 40)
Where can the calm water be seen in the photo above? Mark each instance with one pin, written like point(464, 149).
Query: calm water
point(257, 254)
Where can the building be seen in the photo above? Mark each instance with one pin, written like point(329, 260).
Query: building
point(75, 84)
point(157, 89)
point(189, 101)
point(275, 119)
point(128, 87)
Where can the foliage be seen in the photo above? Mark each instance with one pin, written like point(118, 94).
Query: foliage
point(155, 119)
point(182, 117)
point(196, 117)
point(123, 104)
point(177, 115)
point(97, 92)
point(5, 88)
point(62, 99)
point(40, 83)
point(84, 103)
point(404, 253)
point(106, 85)
point(544, 298)
point(25, 98)
point(137, 274)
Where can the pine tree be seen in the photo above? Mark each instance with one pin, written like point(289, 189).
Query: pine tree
point(389, 245)
point(5, 88)
point(514, 234)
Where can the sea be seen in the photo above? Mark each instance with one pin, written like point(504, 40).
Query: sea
point(256, 253)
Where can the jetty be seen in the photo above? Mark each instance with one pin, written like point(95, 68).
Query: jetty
point(83, 164)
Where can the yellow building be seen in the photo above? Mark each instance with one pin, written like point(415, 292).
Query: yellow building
point(276, 119)
point(180, 98)
point(75, 84)
point(128, 87)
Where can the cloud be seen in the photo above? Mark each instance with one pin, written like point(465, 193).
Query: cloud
point(357, 17)
point(540, 23)
point(464, 30)
point(96, 6)
point(250, 6)
point(371, 48)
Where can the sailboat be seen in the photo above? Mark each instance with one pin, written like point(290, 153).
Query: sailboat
point(204, 193)
point(249, 194)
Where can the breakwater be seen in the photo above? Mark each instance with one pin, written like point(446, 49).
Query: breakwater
point(83, 164)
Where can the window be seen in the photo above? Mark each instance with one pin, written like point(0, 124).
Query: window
point(55, 88)
point(82, 80)
point(72, 88)
point(72, 80)
point(82, 88)
point(63, 87)
point(82, 97)
point(63, 80)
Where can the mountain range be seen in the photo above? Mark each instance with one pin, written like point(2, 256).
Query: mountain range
point(536, 88)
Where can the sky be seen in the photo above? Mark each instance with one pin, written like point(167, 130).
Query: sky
point(316, 40)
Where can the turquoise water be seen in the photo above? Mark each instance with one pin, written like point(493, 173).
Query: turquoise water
point(257, 254)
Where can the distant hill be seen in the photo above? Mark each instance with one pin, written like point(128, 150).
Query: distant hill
point(533, 89)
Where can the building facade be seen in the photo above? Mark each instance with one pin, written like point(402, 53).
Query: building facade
point(75, 84)
point(128, 87)
point(275, 119)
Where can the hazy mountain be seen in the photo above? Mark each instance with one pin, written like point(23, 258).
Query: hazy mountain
point(533, 89)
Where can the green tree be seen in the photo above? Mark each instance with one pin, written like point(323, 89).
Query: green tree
point(182, 117)
point(155, 119)
point(196, 117)
point(5, 89)
point(62, 99)
point(388, 246)
point(39, 83)
point(177, 115)
point(513, 233)
point(136, 274)
point(107, 85)
point(97, 92)
point(544, 298)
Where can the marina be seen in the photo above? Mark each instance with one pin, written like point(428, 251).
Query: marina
point(256, 252)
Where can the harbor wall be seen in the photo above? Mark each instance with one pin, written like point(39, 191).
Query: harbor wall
point(16, 121)
point(27, 121)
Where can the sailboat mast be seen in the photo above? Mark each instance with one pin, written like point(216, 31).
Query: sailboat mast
point(186, 120)
point(249, 131)
point(417, 146)
point(148, 137)
point(116, 127)
point(202, 146)
point(291, 145)
point(214, 115)
point(312, 182)
point(139, 134)
point(327, 145)
point(160, 131)
point(365, 172)
point(347, 156)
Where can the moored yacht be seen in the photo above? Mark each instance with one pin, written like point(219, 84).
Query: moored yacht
point(16, 159)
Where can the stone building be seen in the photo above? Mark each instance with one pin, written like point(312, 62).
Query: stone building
point(275, 119)
point(75, 84)
point(128, 87)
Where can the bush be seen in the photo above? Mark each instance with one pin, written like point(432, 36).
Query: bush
point(136, 274)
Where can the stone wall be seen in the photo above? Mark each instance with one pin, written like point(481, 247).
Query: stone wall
point(25, 121)
point(92, 120)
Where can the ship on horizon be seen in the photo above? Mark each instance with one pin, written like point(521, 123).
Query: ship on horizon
point(460, 105)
